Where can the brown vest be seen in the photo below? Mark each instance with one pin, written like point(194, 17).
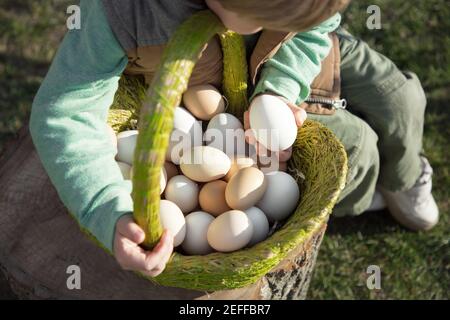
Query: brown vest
point(208, 70)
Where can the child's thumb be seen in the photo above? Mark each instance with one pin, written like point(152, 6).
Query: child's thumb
point(300, 116)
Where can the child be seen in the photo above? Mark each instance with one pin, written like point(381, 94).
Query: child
point(68, 121)
point(382, 129)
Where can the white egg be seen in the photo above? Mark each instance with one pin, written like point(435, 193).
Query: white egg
point(226, 133)
point(125, 168)
point(230, 231)
point(281, 197)
point(126, 144)
point(162, 179)
point(196, 241)
point(260, 225)
point(187, 133)
point(173, 219)
point(273, 122)
point(183, 192)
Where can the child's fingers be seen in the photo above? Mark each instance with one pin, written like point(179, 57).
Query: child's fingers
point(262, 151)
point(159, 268)
point(285, 155)
point(129, 255)
point(250, 137)
point(299, 114)
point(246, 120)
point(129, 229)
point(161, 253)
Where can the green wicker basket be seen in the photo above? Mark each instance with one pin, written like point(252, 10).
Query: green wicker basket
point(319, 161)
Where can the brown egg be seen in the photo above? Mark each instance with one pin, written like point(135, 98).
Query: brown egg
point(171, 170)
point(212, 198)
point(238, 163)
point(230, 231)
point(245, 188)
point(204, 101)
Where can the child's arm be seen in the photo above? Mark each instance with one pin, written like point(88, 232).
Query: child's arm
point(291, 71)
point(68, 125)
point(294, 67)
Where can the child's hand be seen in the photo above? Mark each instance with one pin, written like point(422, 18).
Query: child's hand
point(131, 256)
point(283, 156)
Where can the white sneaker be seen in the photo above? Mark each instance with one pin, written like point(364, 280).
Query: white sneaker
point(378, 202)
point(415, 208)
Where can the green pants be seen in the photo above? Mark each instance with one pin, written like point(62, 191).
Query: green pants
point(382, 127)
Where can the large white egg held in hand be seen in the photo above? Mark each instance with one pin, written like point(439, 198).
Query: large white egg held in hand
point(196, 241)
point(231, 231)
point(183, 192)
point(204, 164)
point(273, 122)
point(226, 133)
point(173, 219)
point(126, 144)
point(187, 133)
point(281, 196)
point(260, 225)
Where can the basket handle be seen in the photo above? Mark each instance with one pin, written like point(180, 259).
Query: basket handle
point(164, 95)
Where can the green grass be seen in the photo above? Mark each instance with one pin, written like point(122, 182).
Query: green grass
point(413, 265)
point(414, 34)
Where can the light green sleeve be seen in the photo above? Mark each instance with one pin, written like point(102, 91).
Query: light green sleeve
point(68, 124)
point(297, 63)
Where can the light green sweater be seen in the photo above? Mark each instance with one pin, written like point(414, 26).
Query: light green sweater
point(68, 120)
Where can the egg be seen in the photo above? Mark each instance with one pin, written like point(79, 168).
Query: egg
point(173, 219)
point(226, 133)
point(230, 231)
point(113, 138)
point(204, 101)
point(260, 225)
point(125, 169)
point(204, 164)
point(273, 122)
point(281, 197)
point(239, 163)
point(187, 133)
point(212, 198)
point(196, 241)
point(245, 188)
point(126, 144)
point(162, 179)
point(171, 170)
point(183, 192)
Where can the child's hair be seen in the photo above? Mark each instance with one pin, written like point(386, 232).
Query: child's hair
point(286, 15)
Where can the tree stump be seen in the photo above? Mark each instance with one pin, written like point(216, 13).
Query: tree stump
point(39, 240)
